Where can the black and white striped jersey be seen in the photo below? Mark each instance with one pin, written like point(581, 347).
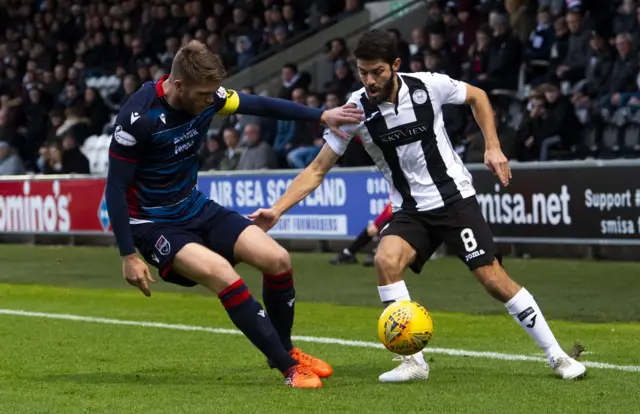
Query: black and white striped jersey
point(408, 142)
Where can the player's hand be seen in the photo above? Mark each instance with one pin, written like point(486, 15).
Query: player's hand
point(372, 230)
point(265, 218)
point(498, 163)
point(347, 114)
point(136, 273)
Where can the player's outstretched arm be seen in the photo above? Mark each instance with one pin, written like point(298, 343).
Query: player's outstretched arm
point(287, 110)
point(308, 180)
point(483, 114)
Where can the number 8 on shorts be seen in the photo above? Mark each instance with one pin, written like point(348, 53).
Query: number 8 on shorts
point(469, 240)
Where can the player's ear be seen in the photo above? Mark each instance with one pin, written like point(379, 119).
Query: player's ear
point(396, 65)
point(178, 85)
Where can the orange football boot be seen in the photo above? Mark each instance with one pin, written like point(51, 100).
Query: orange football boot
point(299, 376)
point(317, 366)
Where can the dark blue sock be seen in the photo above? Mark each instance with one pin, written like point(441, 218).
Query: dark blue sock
point(247, 314)
point(279, 297)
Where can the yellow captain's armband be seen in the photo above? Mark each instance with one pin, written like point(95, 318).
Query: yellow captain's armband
point(230, 99)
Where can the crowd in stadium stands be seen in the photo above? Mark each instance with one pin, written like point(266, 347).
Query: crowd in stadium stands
point(563, 74)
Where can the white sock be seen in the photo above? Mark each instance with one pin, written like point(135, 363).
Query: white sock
point(398, 291)
point(526, 312)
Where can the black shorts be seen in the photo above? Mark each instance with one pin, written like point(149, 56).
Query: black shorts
point(215, 228)
point(460, 226)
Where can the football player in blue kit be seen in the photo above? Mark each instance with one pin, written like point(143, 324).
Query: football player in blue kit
point(154, 205)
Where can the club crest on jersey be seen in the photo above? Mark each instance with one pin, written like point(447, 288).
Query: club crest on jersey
point(163, 246)
point(123, 138)
point(419, 96)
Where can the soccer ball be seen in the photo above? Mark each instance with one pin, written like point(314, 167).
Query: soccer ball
point(405, 327)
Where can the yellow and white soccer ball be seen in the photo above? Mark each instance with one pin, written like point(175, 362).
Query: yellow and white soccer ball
point(405, 327)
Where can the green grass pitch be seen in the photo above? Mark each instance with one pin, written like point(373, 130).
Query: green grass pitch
point(177, 352)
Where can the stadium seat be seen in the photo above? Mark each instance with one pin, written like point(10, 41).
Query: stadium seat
point(621, 117)
point(610, 141)
point(515, 113)
point(588, 147)
point(89, 144)
point(631, 141)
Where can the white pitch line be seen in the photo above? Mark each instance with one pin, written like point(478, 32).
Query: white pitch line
point(312, 339)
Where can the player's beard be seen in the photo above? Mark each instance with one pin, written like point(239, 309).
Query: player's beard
point(385, 91)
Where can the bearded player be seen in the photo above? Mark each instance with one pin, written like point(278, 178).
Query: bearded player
point(154, 205)
point(432, 193)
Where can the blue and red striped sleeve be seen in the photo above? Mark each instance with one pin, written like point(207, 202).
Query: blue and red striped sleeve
point(126, 148)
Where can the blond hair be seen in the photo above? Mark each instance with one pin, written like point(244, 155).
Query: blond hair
point(195, 62)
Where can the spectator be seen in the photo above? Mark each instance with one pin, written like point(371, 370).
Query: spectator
point(626, 20)
point(434, 22)
point(70, 96)
point(10, 162)
point(286, 131)
point(210, 155)
point(475, 147)
point(51, 162)
point(521, 18)
point(351, 7)
point(556, 7)
point(417, 63)
point(479, 54)
point(343, 79)
point(73, 160)
point(337, 50)
point(295, 26)
point(574, 66)
point(560, 47)
point(419, 41)
point(466, 29)
point(541, 39)
point(403, 49)
point(258, 155)
point(233, 152)
point(129, 87)
point(531, 132)
point(75, 124)
point(245, 52)
point(307, 141)
point(561, 120)
point(36, 118)
point(622, 82)
point(597, 74)
point(503, 66)
point(292, 79)
point(448, 61)
point(96, 110)
point(433, 62)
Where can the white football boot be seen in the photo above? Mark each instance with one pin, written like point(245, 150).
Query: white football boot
point(409, 370)
point(567, 368)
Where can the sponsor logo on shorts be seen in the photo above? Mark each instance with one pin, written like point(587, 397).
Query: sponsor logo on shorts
point(473, 255)
point(163, 246)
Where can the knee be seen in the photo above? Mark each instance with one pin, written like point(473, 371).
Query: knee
point(389, 267)
point(280, 261)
